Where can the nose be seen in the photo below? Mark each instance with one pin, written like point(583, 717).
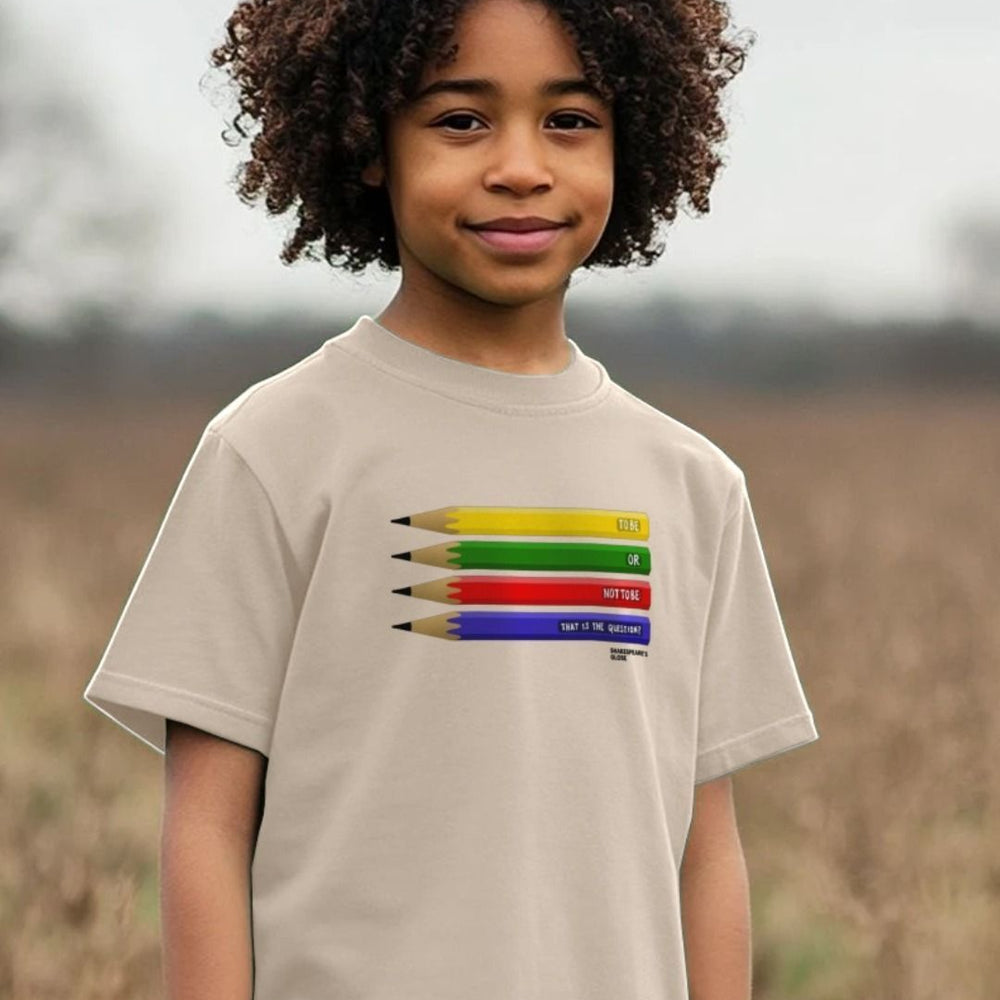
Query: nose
point(518, 160)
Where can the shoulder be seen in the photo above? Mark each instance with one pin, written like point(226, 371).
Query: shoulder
point(281, 423)
point(270, 407)
point(692, 455)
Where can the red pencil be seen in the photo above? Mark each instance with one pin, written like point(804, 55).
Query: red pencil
point(503, 588)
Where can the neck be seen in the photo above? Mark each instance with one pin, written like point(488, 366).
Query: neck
point(523, 339)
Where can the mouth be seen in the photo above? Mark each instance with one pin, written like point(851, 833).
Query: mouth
point(517, 223)
point(518, 235)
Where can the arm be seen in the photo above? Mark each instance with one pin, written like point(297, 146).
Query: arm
point(212, 810)
point(715, 898)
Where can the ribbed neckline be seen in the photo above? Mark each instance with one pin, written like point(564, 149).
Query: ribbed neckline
point(582, 383)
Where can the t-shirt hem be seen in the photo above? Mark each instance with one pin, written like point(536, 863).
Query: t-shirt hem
point(142, 708)
point(751, 748)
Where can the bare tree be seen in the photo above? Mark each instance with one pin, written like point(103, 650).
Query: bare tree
point(74, 232)
point(972, 244)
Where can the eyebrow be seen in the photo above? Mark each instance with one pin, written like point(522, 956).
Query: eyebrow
point(551, 88)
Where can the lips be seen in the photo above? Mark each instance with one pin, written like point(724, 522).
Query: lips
point(516, 224)
point(518, 234)
point(526, 241)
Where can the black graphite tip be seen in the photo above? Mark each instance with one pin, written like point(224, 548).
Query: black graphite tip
point(401, 590)
point(405, 626)
point(401, 555)
point(400, 520)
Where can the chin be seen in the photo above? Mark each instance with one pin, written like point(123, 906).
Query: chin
point(518, 294)
point(520, 285)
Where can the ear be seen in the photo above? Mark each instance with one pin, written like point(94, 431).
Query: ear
point(374, 173)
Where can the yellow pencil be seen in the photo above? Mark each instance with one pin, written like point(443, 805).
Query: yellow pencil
point(587, 521)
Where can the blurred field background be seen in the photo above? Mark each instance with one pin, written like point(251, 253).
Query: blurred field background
point(833, 324)
point(872, 852)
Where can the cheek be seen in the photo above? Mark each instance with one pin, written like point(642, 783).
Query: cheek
point(609, 169)
point(427, 188)
point(596, 168)
point(597, 182)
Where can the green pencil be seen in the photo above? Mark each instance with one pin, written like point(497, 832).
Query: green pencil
point(588, 556)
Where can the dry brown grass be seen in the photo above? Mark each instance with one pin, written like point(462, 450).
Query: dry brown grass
point(873, 859)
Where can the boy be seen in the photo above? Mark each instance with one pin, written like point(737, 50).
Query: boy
point(492, 632)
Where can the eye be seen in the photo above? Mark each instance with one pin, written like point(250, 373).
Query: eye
point(587, 123)
point(564, 115)
point(453, 118)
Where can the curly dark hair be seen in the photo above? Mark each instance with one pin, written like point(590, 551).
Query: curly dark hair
point(319, 76)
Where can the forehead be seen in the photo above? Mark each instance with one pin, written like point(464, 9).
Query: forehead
point(516, 44)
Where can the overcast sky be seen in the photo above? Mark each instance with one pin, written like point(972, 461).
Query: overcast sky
point(857, 129)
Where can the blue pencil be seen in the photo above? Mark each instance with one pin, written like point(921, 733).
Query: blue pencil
point(532, 625)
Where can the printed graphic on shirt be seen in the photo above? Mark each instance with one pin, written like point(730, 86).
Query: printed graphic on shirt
point(523, 565)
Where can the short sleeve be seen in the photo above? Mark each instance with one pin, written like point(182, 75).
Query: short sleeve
point(205, 634)
point(751, 702)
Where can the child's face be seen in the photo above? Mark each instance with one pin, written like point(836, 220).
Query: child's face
point(458, 159)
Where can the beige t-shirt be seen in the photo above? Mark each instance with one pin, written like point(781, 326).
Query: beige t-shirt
point(490, 630)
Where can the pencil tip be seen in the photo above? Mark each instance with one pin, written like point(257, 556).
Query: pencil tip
point(405, 626)
point(400, 520)
point(401, 590)
point(401, 555)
